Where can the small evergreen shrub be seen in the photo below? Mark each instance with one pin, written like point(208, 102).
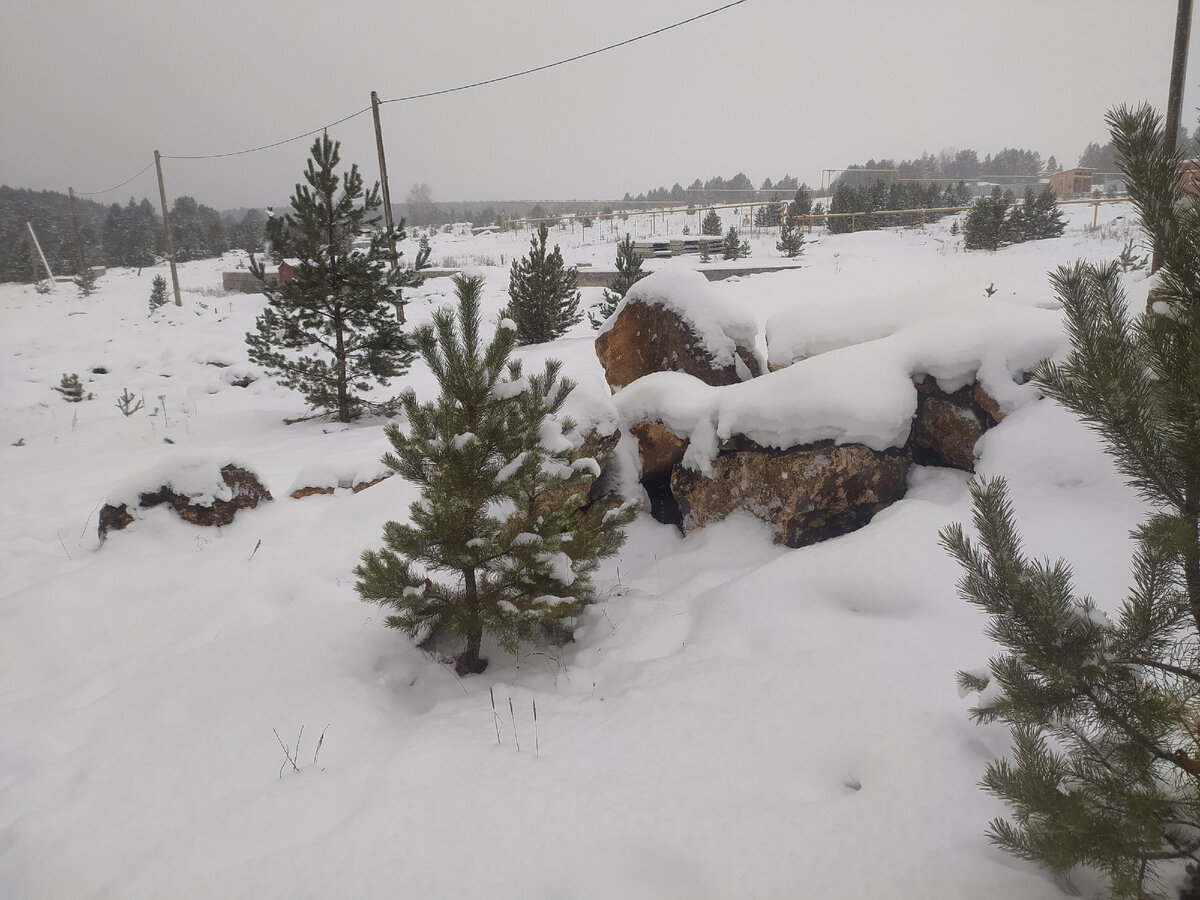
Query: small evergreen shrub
point(158, 292)
point(85, 280)
point(504, 538)
point(629, 272)
point(731, 247)
point(126, 405)
point(791, 239)
point(71, 389)
point(1128, 260)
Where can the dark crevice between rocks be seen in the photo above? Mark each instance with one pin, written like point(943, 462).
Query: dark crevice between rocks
point(663, 505)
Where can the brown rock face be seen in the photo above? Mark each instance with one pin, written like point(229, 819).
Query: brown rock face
point(659, 448)
point(114, 518)
point(317, 490)
point(648, 337)
point(248, 492)
point(806, 494)
point(946, 426)
point(301, 493)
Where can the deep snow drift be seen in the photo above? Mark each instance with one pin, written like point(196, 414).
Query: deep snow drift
point(735, 719)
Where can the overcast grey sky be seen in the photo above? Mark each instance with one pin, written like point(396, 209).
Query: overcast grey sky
point(89, 89)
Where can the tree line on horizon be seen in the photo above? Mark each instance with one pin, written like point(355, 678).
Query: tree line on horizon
point(114, 234)
point(965, 165)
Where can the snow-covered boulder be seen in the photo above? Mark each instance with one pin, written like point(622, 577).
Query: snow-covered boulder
point(675, 321)
point(817, 448)
point(199, 492)
point(806, 494)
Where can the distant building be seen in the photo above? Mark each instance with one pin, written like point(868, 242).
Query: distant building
point(1072, 182)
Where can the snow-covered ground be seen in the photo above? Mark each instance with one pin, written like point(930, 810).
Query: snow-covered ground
point(735, 719)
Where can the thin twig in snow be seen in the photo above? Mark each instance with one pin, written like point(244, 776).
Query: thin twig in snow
point(537, 745)
point(89, 518)
point(495, 716)
point(287, 755)
point(320, 741)
point(516, 737)
point(61, 544)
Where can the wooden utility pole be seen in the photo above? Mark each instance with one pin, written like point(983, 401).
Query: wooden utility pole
point(383, 179)
point(38, 247)
point(75, 224)
point(387, 198)
point(162, 194)
point(1183, 30)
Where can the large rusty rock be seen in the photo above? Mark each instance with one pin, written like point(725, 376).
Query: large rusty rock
point(946, 426)
point(247, 492)
point(648, 337)
point(807, 494)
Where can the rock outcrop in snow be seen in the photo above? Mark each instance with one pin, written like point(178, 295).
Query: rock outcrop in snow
point(947, 425)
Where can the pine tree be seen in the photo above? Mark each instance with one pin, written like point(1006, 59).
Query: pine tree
point(158, 293)
point(993, 221)
point(71, 388)
point(985, 225)
point(85, 280)
point(1043, 217)
point(731, 248)
point(504, 513)
point(1106, 749)
point(332, 329)
point(769, 216)
point(543, 300)
point(629, 273)
point(801, 204)
point(711, 224)
point(791, 239)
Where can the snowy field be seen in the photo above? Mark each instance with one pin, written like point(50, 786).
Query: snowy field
point(734, 720)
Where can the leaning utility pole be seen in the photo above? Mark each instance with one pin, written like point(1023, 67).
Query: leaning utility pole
point(387, 196)
point(75, 224)
point(41, 255)
point(383, 179)
point(162, 193)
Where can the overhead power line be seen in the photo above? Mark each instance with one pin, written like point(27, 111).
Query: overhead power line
point(563, 62)
point(276, 143)
point(118, 187)
point(461, 87)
